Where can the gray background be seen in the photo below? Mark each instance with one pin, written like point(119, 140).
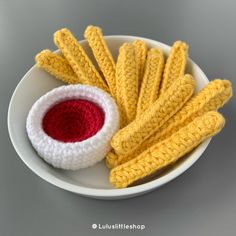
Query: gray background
point(200, 202)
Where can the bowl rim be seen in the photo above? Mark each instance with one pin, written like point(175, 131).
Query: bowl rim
point(110, 193)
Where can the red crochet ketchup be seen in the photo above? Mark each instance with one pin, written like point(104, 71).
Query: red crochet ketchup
point(73, 120)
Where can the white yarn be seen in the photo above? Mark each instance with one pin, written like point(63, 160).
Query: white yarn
point(75, 155)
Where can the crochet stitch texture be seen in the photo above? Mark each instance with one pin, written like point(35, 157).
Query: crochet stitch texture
point(56, 66)
point(210, 98)
point(175, 65)
point(72, 155)
point(168, 151)
point(140, 54)
point(102, 55)
point(73, 120)
point(159, 119)
point(78, 59)
point(127, 83)
point(151, 80)
point(130, 137)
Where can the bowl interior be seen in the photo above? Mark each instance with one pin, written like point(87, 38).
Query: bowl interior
point(93, 181)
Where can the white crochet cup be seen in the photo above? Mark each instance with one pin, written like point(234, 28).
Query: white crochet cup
point(93, 181)
point(72, 155)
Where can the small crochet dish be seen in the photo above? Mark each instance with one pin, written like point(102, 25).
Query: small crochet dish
point(71, 126)
point(44, 102)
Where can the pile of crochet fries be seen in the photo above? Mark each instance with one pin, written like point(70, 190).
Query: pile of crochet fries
point(162, 118)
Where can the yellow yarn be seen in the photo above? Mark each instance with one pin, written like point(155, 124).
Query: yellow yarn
point(119, 90)
point(56, 66)
point(168, 151)
point(127, 82)
point(210, 98)
point(112, 159)
point(151, 80)
point(141, 53)
point(158, 131)
point(78, 59)
point(102, 55)
point(129, 138)
point(175, 65)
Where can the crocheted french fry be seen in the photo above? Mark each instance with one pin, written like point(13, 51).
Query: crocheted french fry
point(78, 59)
point(129, 138)
point(141, 53)
point(210, 98)
point(127, 82)
point(102, 55)
point(112, 159)
point(119, 90)
point(151, 80)
point(167, 152)
point(175, 65)
point(56, 66)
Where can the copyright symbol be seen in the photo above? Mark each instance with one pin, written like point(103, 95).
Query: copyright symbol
point(94, 226)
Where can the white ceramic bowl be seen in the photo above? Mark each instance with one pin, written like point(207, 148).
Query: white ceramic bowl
point(93, 181)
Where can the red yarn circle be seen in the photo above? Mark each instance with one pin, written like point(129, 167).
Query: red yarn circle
point(73, 120)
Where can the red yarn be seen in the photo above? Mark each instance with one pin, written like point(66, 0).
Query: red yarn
point(73, 120)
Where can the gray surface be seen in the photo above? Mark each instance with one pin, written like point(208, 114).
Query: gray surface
point(200, 202)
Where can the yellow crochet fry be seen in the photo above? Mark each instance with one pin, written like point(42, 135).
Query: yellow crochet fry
point(167, 152)
point(102, 55)
point(151, 80)
point(56, 66)
point(175, 65)
point(210, 98)
point(78, 59)
point(127, 81)
point(119, 89)
point(111, 159)
point(129, 138)
point(141, 53)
